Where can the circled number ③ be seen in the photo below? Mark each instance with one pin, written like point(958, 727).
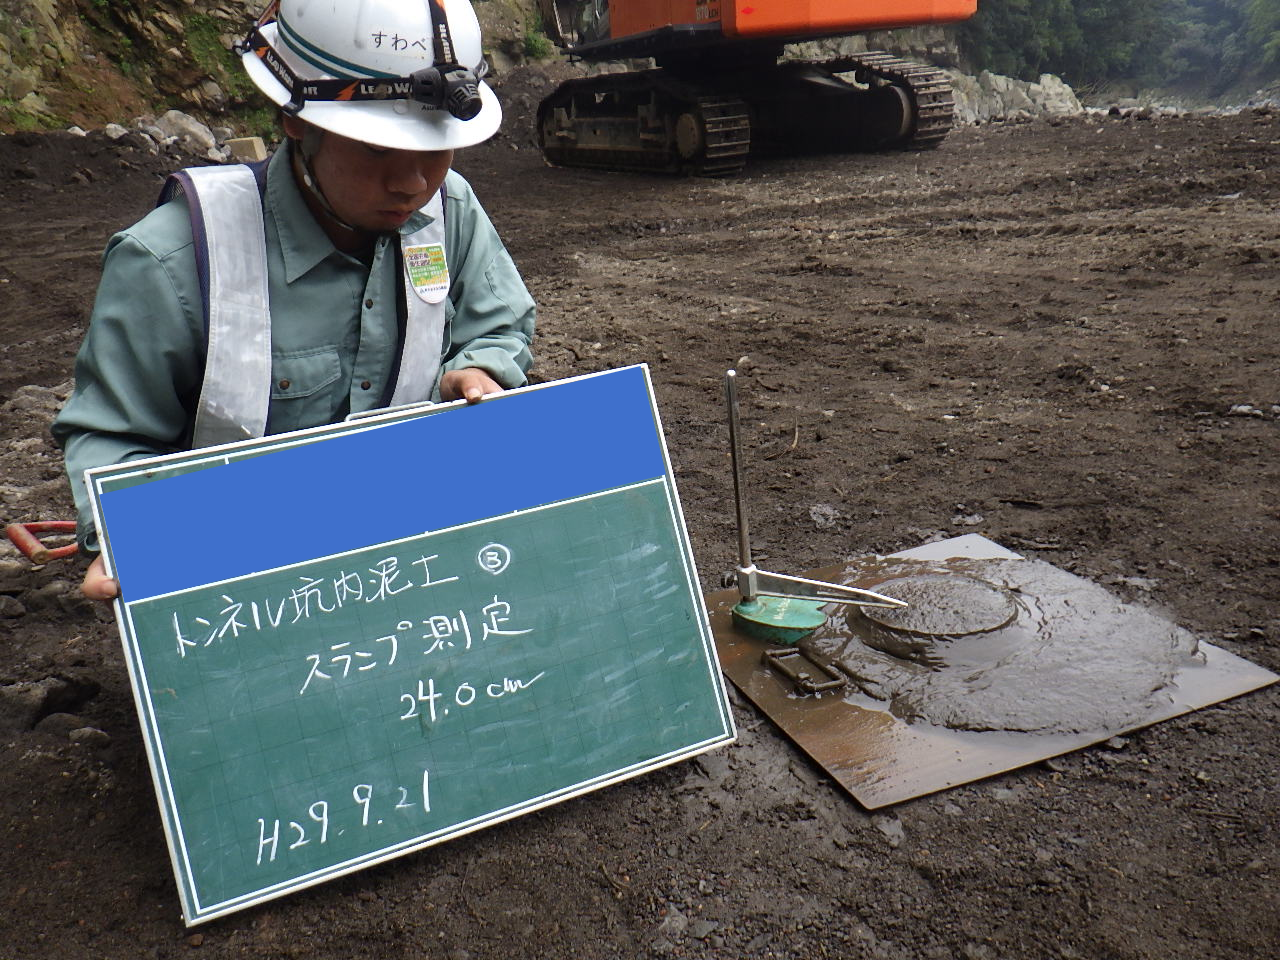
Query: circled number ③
point(494, 558)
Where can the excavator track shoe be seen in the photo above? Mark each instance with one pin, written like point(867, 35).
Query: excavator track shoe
point(646, 122)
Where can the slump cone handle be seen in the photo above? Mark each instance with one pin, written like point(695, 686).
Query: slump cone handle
point(772, 619)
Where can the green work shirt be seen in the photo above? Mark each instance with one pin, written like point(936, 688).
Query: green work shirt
point(335, 329)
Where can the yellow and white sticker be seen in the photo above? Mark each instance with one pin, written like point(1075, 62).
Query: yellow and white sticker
point(428, 271)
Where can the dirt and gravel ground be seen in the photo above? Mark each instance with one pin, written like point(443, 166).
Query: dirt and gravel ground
point(1062, 337)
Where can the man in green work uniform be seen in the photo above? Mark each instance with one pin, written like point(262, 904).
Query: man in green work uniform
point(356, 271)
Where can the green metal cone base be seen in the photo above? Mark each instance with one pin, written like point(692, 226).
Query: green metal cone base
point(779, 619)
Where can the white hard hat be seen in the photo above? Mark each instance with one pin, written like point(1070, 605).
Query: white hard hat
point(403, 74)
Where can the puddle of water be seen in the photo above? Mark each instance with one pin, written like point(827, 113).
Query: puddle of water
point(1014, 645)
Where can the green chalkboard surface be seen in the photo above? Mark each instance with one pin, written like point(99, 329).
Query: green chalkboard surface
point(352, 665)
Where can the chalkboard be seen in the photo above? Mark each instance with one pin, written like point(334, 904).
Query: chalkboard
point(352, 642)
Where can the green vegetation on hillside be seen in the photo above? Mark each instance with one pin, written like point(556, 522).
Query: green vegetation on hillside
point(1204, 45)
point(537, 45)
point(205, 45)
point(1264, 18)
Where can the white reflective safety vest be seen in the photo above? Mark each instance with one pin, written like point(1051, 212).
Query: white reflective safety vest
point(225, 204)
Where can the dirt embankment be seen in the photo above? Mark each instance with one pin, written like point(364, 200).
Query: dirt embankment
point(1062, 337)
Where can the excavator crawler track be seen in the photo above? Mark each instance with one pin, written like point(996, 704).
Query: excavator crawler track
point(928, 87)
point(644, 121)
point(702, 121)
point(727, 135)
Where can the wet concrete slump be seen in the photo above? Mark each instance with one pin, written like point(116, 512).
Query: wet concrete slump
point(1003, 645)
point(1000, 662)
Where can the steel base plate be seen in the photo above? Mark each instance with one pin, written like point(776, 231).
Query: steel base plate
point(881, 758)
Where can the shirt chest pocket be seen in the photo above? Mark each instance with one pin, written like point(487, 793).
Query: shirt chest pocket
point(303, 390)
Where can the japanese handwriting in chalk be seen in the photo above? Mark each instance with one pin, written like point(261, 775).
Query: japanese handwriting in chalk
point(386, 577)
point(444, 632)
point(212, 630)
point(347, 588)
point(346, 656)
point(429, 705)
point(425, 563)
point(311, 598)
point(370, 807)
point(494, 558)
point(307, 599)
point(497, 613)
point(343, 658)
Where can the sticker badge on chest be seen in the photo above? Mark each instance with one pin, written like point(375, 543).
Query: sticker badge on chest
point(428, 271)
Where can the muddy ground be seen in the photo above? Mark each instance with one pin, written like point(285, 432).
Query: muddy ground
point(1062, 337)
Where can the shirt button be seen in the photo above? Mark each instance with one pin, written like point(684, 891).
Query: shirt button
point(368, 303)
point(365, 384)
point(284, 384)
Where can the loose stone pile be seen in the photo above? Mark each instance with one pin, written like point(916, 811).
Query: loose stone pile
point(175, 131)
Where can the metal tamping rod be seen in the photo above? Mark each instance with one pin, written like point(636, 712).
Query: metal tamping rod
point(754, 584)
point(744, 542)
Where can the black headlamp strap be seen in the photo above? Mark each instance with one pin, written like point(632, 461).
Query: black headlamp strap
point(426, 86)
point(441, 41)
point(457, 88)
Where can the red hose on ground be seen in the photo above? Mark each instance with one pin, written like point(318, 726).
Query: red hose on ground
point(23, 536)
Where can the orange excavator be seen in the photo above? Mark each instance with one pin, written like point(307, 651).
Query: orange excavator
point(721, 89)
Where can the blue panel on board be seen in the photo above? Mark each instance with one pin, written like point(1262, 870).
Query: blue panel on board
point(391, 480)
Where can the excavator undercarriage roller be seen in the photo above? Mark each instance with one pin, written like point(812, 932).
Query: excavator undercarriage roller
point(643, 121)
point(678, 120)
point(927, 89)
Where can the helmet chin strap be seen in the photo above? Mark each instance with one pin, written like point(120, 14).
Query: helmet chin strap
point(307, 149)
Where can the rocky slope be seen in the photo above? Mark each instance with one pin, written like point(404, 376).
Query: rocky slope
point(90, 62)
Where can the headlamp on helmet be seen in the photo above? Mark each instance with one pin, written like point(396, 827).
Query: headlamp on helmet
point(453, 88)
point(446, 85)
